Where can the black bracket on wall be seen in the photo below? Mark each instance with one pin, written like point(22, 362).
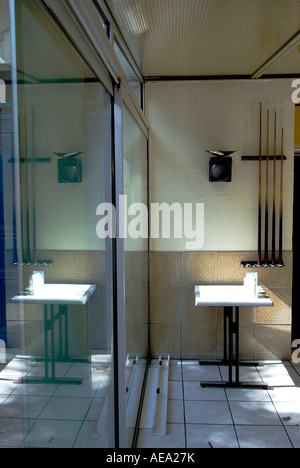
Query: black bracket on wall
point(254, 264)
point(263, 158)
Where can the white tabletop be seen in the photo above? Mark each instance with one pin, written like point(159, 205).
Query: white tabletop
point(231, 296)
point(62, 294)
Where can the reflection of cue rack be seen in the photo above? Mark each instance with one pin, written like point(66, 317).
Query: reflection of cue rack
point(266, 262)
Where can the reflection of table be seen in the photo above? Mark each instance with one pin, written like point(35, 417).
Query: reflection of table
point(60, 296)
point(230, 297)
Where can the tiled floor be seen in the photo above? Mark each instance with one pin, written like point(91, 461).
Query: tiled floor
point(52, 416)
point(66, 416)
point(231, 418)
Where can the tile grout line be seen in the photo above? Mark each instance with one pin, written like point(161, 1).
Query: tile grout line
point(282, 423)
point(233, 423)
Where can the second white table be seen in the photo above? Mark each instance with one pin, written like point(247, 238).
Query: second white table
point(60, 296)
point(230, 298)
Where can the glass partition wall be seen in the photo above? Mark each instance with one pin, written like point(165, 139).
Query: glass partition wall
point(8, 276)
point(65, 136)
point(135, 165)
point(57, 167)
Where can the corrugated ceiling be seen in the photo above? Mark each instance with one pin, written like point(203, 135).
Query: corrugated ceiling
point(208, 37)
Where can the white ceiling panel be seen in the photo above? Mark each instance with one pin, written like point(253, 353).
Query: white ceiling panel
point(208, 37)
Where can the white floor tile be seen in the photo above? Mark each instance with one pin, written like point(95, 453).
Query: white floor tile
point(35, 389)
point(53, 434)
point(275, 375)
point(175, 438)
point(193, 371)
point(175, 412)
point(194, 391)
point(7, 387)
point(201, 436)
point(254, 413)
point(88, 437)
point(207, 412)
point(262, 437)
point(175, 371)
point(66, 408)
point(289, 412)
point(16, 406)
point(294, 435)
point(175, 390)
point(13, 431)
point(285, 394)
point(247, 374)
point(84, 390)
point(243, 394)
point(95, 409)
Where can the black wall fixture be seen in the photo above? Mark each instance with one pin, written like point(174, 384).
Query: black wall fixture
point(220, 166)
point(69, 168)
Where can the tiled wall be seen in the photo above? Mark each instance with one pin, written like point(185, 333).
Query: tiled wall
point(177, 328)
point(181, 330)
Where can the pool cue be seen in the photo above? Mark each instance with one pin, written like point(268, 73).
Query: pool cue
point(260, 190)
point(281, 263)
point(266, 261)
point(34, 241)
point(27, 196)
point(15, 260)
point(274, 197)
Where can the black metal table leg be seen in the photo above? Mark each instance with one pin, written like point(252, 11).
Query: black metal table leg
point(226, 317)
point(237, 344)
point(230, 345)
point(225, 360)
point(52, 332)
point(233, 330)
point(46, 341)
point(49, 327)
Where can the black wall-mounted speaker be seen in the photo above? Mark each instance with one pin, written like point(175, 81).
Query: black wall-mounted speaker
point(220, 169)
point(69, 171)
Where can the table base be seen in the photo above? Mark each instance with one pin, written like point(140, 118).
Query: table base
point(50, 318)
point(231, 331)
point(226, 362)
point(246, 385)
point(49, 380)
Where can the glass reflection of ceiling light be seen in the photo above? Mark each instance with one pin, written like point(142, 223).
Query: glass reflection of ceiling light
point(2, 61)
point(136, 21)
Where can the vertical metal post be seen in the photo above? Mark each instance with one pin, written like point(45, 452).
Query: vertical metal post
point(230, 313)
point(237, 340)
point(16, 145)
point(119, 279)
point(46, 341)
point(60, 333)
point(66, 315)
point(53, 342)
point(226, 315)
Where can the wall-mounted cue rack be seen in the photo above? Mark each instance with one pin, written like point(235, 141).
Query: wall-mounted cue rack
point(263, 158)
point(269, 258)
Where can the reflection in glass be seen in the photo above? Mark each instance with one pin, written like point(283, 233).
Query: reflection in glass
point(65, 162)
point(136, 267)
point(59, 376)
point(7, 225)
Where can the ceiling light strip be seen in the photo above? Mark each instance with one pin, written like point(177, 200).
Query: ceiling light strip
point(290, 45)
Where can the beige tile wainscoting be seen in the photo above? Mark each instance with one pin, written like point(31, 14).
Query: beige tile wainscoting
point(181, 330)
